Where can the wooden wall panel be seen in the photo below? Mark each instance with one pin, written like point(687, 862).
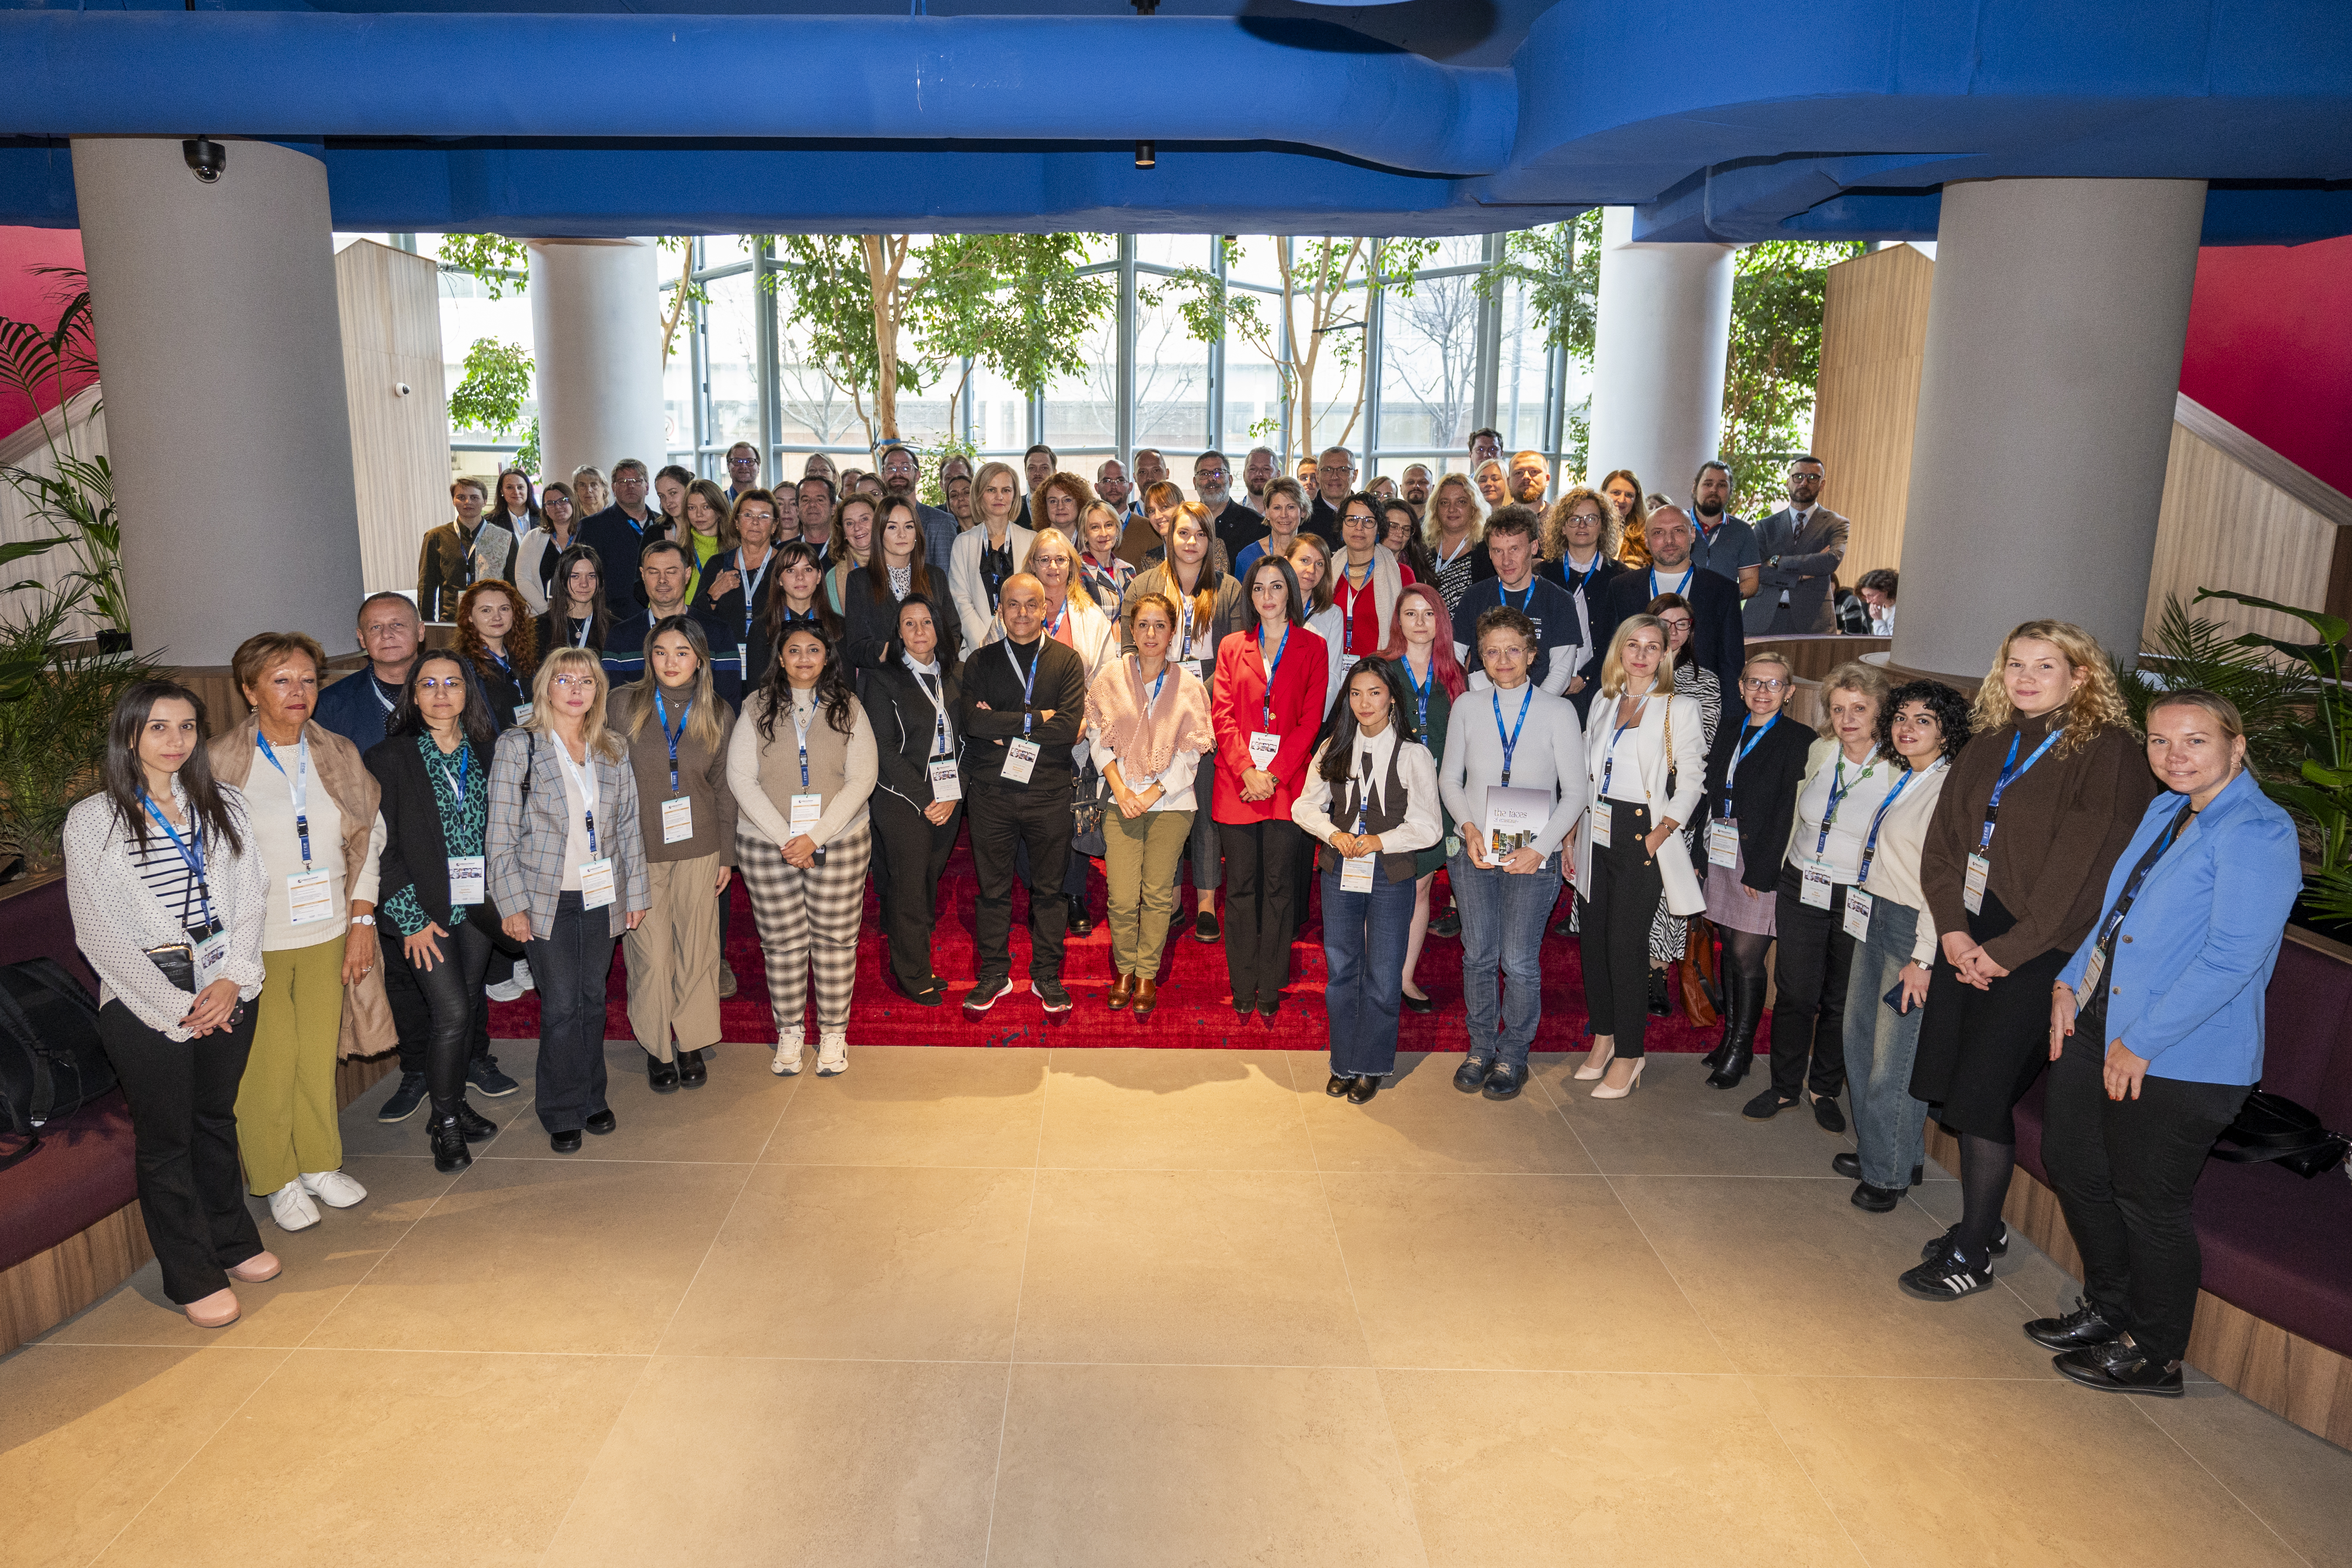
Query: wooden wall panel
point(1873, 342)
point(391, 308)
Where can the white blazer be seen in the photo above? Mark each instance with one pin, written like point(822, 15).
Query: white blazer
point(974, 615)
point(1644, 752)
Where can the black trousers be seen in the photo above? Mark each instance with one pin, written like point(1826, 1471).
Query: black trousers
point(910, 855)
point(1261, 894)
point(452, 990)
point(2125, 1172)
point(182, 1099)
point(1809, 973)
point(1613, 929)
point(1038, 820)
point(412, 1010)
point(569, 967)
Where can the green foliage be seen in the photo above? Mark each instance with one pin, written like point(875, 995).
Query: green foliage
point(52, 725)
point(1775, 361)
point(933, 459)
point(71, 493)
point(491, 394)
point(498, 263)
point(1559, 270)
point(527, 455)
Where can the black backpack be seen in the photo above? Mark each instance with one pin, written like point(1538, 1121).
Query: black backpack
point(51, 1063)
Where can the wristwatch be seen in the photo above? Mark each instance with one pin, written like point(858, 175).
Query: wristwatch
point(362, 919)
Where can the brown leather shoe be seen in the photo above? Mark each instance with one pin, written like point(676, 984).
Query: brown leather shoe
point(1121, 989)
point(1147, 995)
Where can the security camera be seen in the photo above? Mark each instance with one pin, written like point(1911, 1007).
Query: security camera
point(400, 389)
point(207, 158)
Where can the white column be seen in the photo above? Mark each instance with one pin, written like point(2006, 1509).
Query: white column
point(596, 333)
point(223, 364)
point(2045, 412)
point(1661, 329)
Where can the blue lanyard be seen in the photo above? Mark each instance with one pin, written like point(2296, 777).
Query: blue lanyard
point(661, 711)
point(1609, 757)
point(194, 859)
point(1839, 790)
point(504, 663)
point(799, 732)
point(1739, 754)
point(1055, 629)
point(2010, 772)
point(751, 581)
point(2164, 841)
point(1511, 741)
point(299, 784)
point(1028, 681)
point(1159, 682)
point(465, 772)
point(1870, 844)
point(1266, 714)
point(1681, 587)
point(1421, 689)
point(1527, 595)
point(1576, 580)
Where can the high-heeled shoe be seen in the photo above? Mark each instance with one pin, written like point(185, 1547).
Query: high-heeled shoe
point(1591, 1069)
point(1602, 1092)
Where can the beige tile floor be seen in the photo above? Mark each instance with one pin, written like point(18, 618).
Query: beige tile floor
point(1124, 1308)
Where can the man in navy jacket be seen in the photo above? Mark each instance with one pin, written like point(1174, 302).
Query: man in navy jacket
point(1718, 639)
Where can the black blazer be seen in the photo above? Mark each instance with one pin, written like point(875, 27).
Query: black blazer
point(904, 725)
point(413, 848)
point(1766, 791)
point(501, 691)
point(555, 632)
point(1606, 569)
point(870, 620)
point(1718, 638)
point(722, 614)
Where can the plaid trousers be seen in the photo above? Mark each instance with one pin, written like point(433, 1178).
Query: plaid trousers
point(808, 919)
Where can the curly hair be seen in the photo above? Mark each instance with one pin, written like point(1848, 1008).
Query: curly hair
point(1948, 706)
point(1555, 525)
point(2097, 704)
point(523, 637)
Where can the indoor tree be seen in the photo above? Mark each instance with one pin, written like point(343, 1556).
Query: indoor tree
point(1774, 362)
point(1557, 270)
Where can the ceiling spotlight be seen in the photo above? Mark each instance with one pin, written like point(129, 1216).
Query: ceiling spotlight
point(1146, 7)
point(1146, 155)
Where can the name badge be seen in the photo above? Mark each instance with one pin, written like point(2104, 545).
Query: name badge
point(1857, 914)
point(1355, 874)
point(1723, 843)
point(311, 895)
point(522, 713)
point(2089, 986)
point(1972, 892)
point(807, 809)
point(469, 878)
point(211, 953)
point(947, 782)
point(596, 888)
point(1020, 760)
point(1263, 744)
point(1599, 816)
point(677, 819)
point(1815, 889)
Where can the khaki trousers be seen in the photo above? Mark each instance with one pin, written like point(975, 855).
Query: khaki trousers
point(286, 1101)
point(1139, 860)
point(673, 957)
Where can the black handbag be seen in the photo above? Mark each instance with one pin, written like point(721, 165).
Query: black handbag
point(2270, 1126)
point(1090, 804)
point(51, 1061)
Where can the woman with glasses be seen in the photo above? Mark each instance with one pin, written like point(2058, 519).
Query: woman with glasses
point(578, 616)
point(735, 590)
point(539, 550)
point(1753, 771)
point(1366, 578)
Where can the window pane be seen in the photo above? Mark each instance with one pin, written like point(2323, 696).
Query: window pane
point(470, 315)
point(1000, 414)
point(1174, 250)
point(1430, 355)
point(811, 410)
point(730, 339)
point(1520, 382)
point(1171, 385)
point(1081, 411)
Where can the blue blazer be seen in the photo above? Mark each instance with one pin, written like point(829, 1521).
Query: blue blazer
point(2194, 954)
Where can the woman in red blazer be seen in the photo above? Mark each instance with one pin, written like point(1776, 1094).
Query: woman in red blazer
point(1266, 707)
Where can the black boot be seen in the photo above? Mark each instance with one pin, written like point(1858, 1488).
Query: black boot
point(1743, 1000)
point(449, 1150)
point(1659, 1007)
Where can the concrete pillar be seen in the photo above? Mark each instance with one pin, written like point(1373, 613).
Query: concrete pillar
point(1661, 329)
point(2045, 412)
point(223, 364)
point(597, 341)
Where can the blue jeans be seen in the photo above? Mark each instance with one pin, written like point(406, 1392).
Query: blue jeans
point(1879, 1043)
point(569, 967)
point(1503, 919)
point(1364, 937)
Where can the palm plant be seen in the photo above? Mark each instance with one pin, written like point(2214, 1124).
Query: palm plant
point(74, 493)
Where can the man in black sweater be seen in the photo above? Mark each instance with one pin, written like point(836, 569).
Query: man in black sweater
point(1023, 704)
point(1718, 640)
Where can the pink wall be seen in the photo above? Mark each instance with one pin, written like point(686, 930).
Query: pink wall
point(25, 296)
point(2270, 348)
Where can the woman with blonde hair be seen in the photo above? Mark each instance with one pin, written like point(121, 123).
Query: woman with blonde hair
point(986, 555)
point(500, 641)
point(1623, 488)
point(591, 490)
point(564, 849)
point(1454, 532)
point(2033, 818)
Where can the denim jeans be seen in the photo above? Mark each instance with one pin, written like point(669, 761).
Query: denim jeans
point(1503, 918)
point(1364, 937)
point(569, 967)
point(1879, 1043)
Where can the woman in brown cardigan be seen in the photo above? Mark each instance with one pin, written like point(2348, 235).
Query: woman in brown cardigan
point(2015, 865)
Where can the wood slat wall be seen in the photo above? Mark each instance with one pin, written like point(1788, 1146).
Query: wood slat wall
point(391, 308)
point(1873, 342)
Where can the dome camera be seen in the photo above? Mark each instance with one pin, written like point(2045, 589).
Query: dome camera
point(207, 158)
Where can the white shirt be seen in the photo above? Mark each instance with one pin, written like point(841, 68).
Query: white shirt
point(1867, 784)
point(1415, 770)
point(269, 807)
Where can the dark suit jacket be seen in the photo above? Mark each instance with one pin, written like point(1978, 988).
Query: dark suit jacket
point(1808, 561)
point(1606, 570)
point(1764, 794)
point(616, 541)
point(1720, 642)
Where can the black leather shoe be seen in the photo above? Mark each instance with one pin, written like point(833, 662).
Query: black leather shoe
point(1826, 1112)
point(692, 1070)
point(930, 996)
point(564, 1142)
point(1766, 1106)
point(1413, 1003)
point(1267, 1006)
point(1081, 923)
point(661, 1077)
point(1848, 1165)
point(1447, 926)
point(2086, 1325)
point(1363, 1088)
point(1470, 1076)
point(2122, 1367)
point(1940, 1245)
point(449, 1150)
point(1205, 927)
point(603, 1122)
point(476, 1127)
point(1339, 1084)
point(1564, 926)
point(1659, 1007)
point(1875, 1200)
point(1504, 1081)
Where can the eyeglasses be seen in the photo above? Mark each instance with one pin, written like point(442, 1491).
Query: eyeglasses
point(574, 683)
point(452, 684)
point(1772, 685)
point(1208, 473)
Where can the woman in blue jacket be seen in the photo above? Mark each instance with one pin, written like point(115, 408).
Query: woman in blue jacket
point(2156, 1027)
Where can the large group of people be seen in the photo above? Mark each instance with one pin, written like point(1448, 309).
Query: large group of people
point(1304, 689)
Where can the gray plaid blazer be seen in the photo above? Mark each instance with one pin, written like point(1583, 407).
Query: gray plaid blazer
point(528, 831)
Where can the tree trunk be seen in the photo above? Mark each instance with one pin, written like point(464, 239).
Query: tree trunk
point(885, 254)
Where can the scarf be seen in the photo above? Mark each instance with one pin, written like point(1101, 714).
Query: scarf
point(1146, 740)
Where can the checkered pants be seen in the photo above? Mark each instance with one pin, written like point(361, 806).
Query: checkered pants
point(808, 919)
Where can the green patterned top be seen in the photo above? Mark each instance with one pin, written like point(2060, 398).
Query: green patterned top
point(464, 825)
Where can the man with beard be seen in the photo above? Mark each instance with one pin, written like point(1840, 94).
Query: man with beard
point(1236, 524)
point(1038, 466)
point(1725, 544)
point(899, 472)
point(1530, 478)
point(1718, 640)
point(1802, 545)
point(1110, 484)
point(1417, 488)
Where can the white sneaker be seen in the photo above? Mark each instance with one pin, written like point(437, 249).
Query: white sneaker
point(512, 988)
point(832, 1053)
point(788, 1056)
point(333, 1188)
point(292, 1208)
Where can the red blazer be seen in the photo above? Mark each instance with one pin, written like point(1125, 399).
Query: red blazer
point(1237, 708)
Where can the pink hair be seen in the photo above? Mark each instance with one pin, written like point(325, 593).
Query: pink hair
point(1448, 669)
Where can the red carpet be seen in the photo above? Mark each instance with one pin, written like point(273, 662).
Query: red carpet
point(1195, 1009)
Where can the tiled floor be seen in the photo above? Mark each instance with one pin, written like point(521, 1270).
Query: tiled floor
point(1114, 1308)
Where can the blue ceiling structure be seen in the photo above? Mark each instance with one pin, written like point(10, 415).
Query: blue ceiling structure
point(1716, 120)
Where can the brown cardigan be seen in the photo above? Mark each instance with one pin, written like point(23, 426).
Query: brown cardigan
point(701, 778)
point(2061, 825)
point(368, 1029)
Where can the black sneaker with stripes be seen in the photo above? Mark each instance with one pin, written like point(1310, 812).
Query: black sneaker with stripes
point(1938, 1246)
point(1947, 1277)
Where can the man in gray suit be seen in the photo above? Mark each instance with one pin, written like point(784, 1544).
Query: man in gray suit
point(1802, 545)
